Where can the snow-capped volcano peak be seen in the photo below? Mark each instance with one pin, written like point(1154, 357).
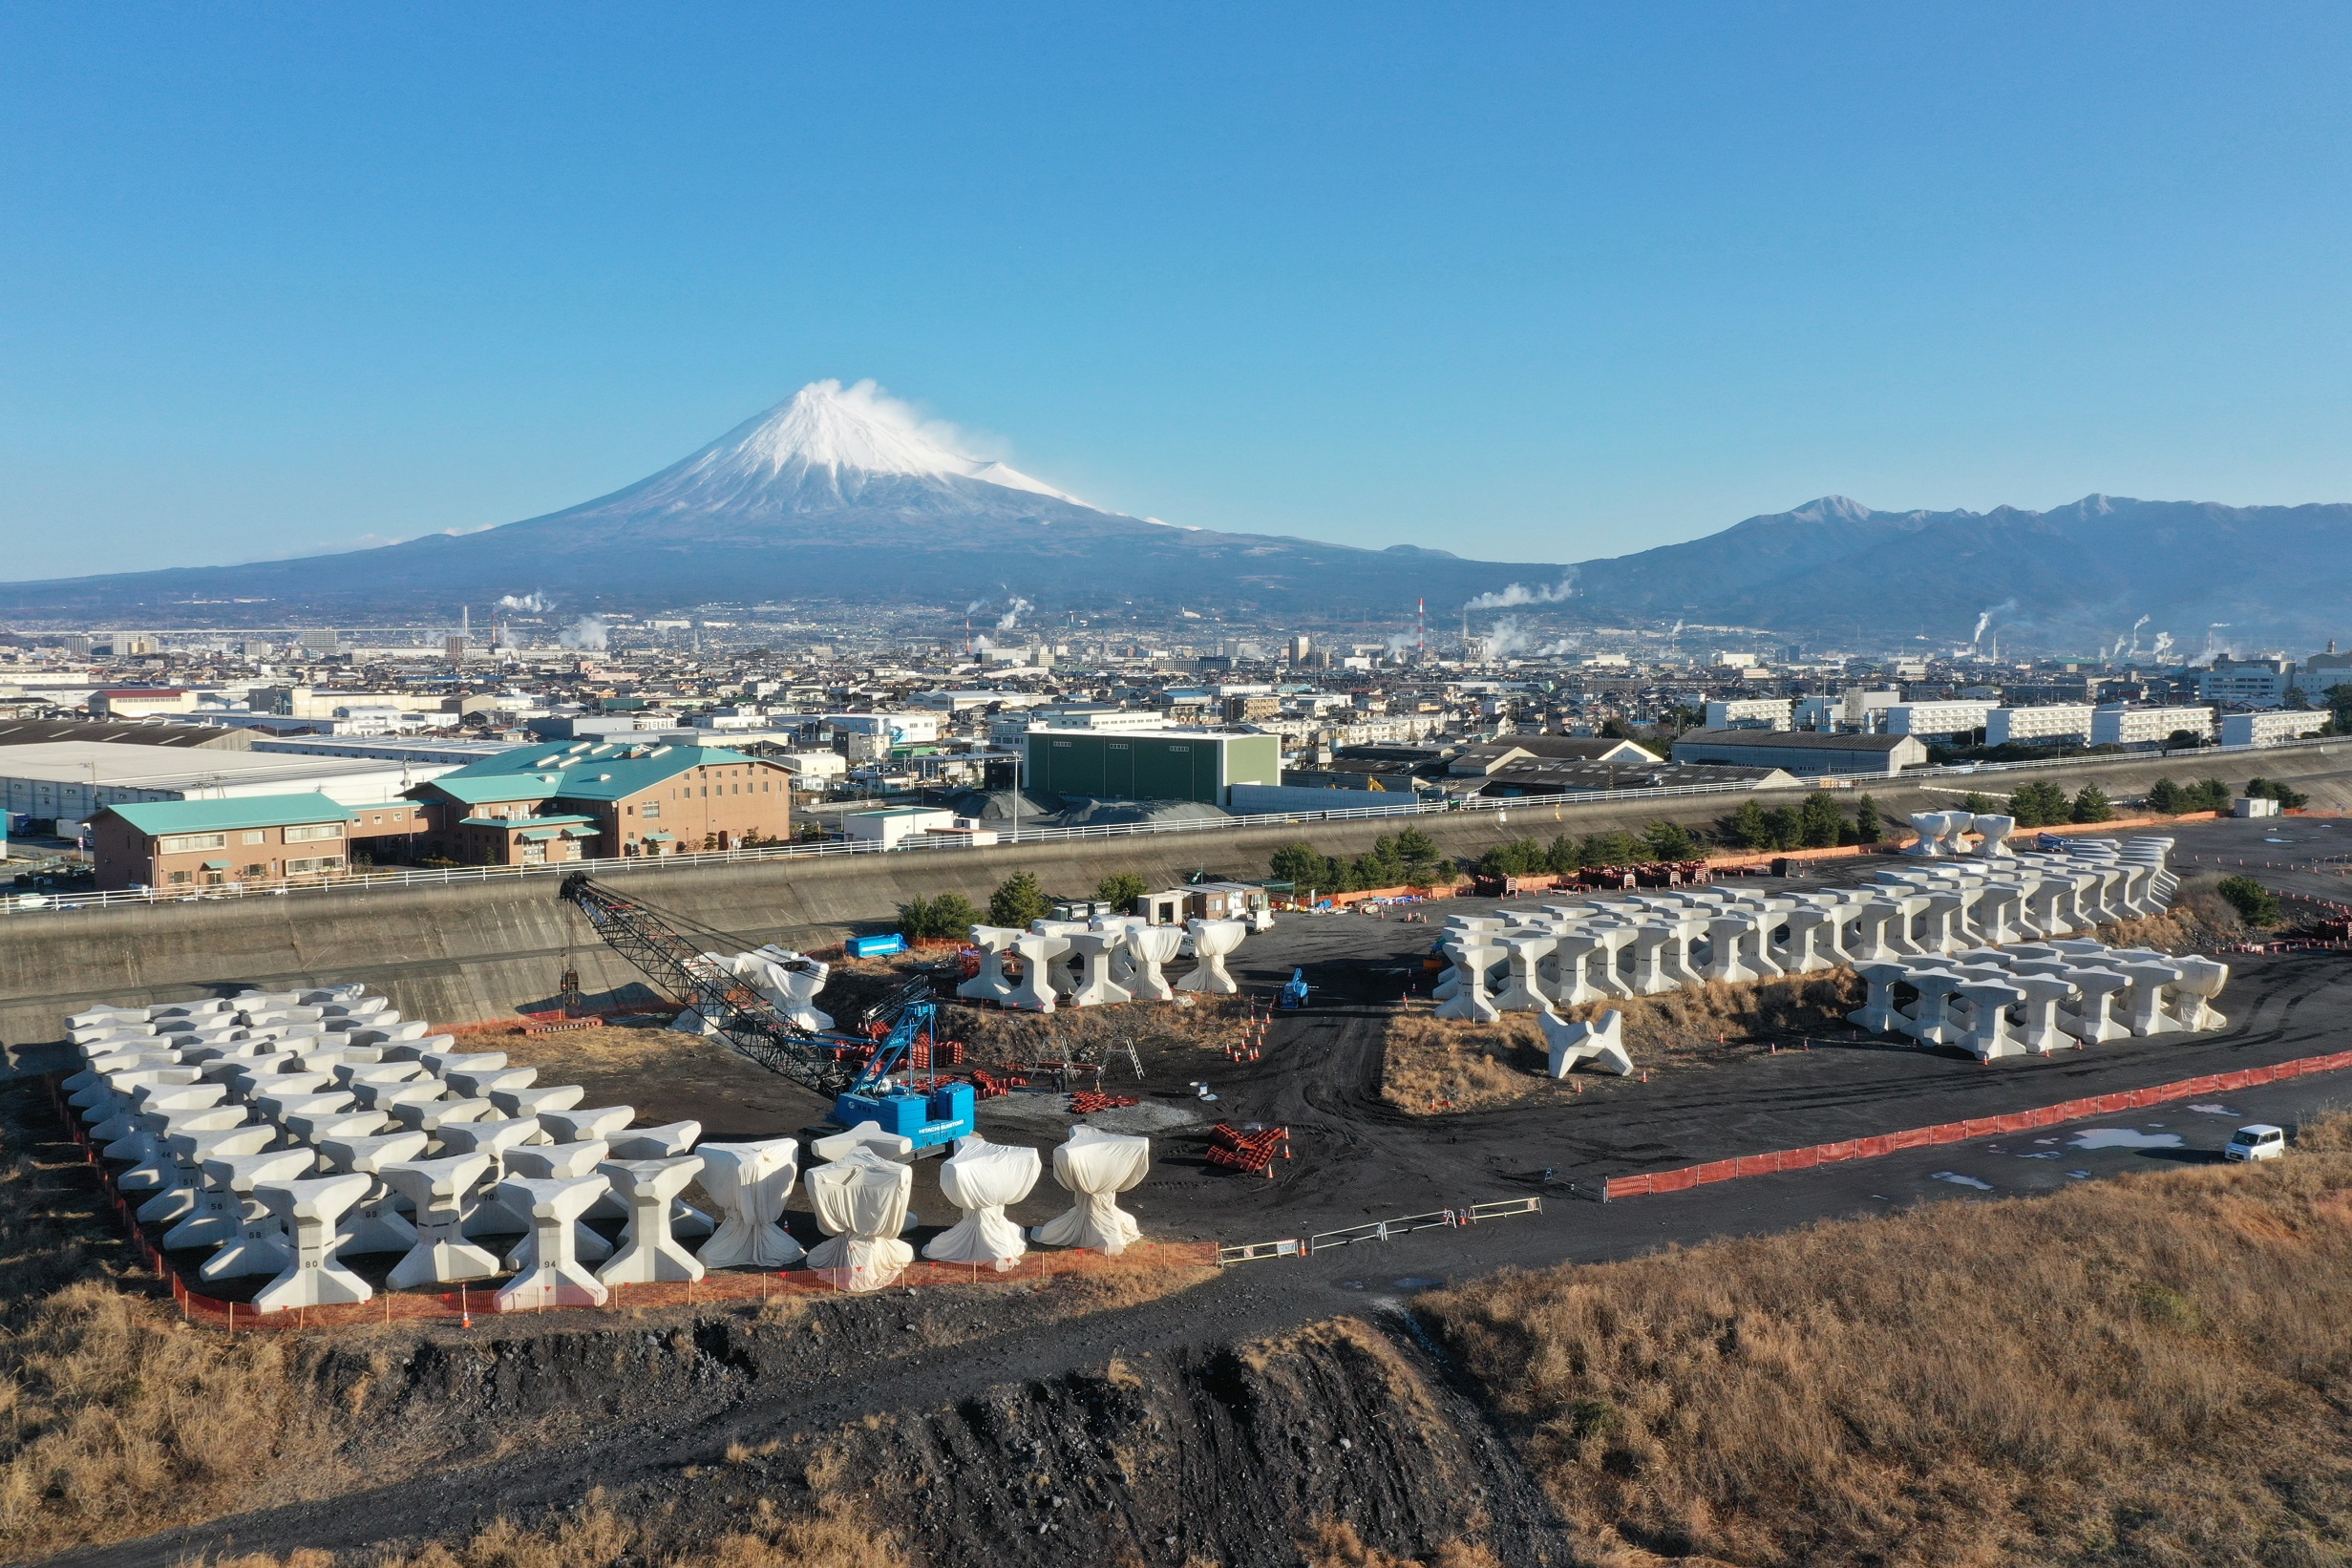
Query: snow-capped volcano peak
point(859, 428)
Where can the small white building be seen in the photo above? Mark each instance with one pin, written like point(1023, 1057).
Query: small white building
point(2271, 728)
point(2126, 725)
point(2038, 726)
point(893, 827)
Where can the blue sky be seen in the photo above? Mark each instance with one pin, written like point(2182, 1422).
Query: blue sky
point(1529, 282)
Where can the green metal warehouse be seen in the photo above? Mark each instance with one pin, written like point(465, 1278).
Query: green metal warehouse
point(1150, 764)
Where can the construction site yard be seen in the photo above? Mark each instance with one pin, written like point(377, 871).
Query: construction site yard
point(1307, 1409)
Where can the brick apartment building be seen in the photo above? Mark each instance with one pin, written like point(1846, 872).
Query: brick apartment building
point(586, 799)
point(195, 844)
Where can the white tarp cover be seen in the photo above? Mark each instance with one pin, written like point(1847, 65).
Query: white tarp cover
point(860, 1203)
point(1097, 1166)
point(750, 1182)
point(980, 1178)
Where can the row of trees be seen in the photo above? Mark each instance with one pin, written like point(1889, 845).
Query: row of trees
point(1409, 858)
point(1567, 853)
point(2045, 805)
point(1018, 900)
point(1817, 824)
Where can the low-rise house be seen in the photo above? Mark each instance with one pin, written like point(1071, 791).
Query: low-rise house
point(540, 804)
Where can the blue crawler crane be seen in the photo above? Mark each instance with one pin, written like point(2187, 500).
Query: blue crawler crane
point(926, 1110)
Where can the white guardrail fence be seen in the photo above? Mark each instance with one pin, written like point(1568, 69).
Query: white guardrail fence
point(1379, 1230)
point(21, 904)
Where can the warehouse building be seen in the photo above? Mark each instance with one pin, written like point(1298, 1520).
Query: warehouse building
point(536, 805)
point(258, 841)
point(1750, 713)
point(1802, 751)
point(1200, 765)
point(69, 781)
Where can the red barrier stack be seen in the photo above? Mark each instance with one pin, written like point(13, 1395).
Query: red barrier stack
point(1251, 1152)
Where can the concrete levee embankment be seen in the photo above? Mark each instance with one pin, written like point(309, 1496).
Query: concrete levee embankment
point(482, 951)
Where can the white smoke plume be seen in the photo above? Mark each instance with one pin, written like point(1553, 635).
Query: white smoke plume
point(530, 603)
point(1984, 618)
point(1507, 638)
point(2164, 640)
point(1401, 642)
point(1519, 593)
point(1012, 615)
point(588, 633)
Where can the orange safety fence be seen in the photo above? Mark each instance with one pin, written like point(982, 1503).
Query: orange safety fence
point(1975, 1127)
point(463, 1304)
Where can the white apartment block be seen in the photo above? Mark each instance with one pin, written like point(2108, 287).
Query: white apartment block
point(1750, 713)
point(2270, 728)
point(2036, 726)
point(2147, 726)
point(1937, 718)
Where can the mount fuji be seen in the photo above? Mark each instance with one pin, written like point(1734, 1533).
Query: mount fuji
point(840, 493)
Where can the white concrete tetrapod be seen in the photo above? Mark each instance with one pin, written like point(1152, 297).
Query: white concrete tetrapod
point(1525, 952)
point(2202, 980)
point(441, 1194)
point(990, 984)
point(552, 1275)
point(261, 1245)
point(557, 1163)
point(317, 1129)
point(1035, 991)
point(1470, 1002)
point(1931, 1022)
point(2039, 1034)
point(1989, 1036)
point(860, 1205)
point(1726, 944)
point(200, 1214)
point(1093, 952)
point(1094, 1167)
point(868, 1134)
point(2145, 1013)
point(594, 1124)
point(160, 1172)
point(649, 1252)
point(665, 1142)
point(1150, 948)
point(491, 1136)
point(1213, 940)
point(375, 1222)
point(982, 1179)
point(442, 1063)
point(307, 1210)
point(1877, 1014)
point(1600, 1042)
point(430, 1117)
point(151, 1106)
point(530, 1102)
point(1812, 942)
point(481, 1083)
point(1570, 982)
point(2099, 992)
point(750, 1182)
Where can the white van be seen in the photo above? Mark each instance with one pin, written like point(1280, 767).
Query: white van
point(2259, 1140)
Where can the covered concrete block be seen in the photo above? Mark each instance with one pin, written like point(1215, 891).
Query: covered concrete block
point(1212, 942)
point(1094, 1167)
point(750, 1182)
point(860, 1203)
point(981, 1179)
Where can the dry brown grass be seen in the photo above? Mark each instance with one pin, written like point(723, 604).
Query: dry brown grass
point(2153, 1369)
point(1335, 1545)
point(113, 1419)
point(832, 1534)
point(2200, 920)
point(1433, 1066)
point(994, 1038)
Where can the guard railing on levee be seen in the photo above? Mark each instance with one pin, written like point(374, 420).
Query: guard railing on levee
point(445, 876)
point(1379, 1230)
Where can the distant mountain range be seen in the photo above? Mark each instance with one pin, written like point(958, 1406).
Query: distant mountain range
point(842, 494)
